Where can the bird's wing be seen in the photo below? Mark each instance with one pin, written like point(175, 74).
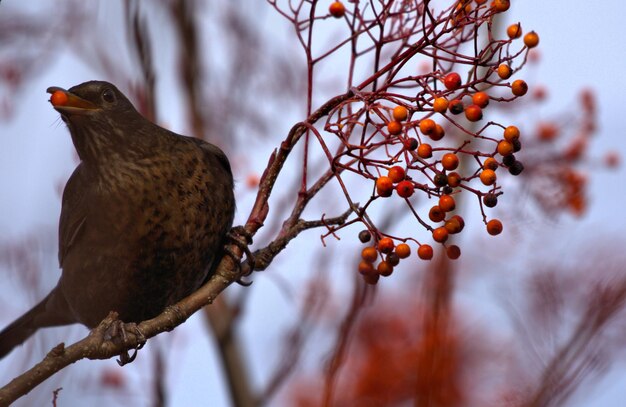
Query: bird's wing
point(73, 213)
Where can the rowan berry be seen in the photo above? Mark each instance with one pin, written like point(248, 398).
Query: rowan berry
point(480, 99)
point(366, 267)
point(384, 186)
point(514, 31)
point(405, 188)
point(453, 252)
point(454, 179)
point(531, 40)
point(425, 150)
point(517, 145)
point(473, 113)
point(369, 254)
point(410, 143)
point(511, 133)
point(452, 81)
point(58, 98)
point(490, 164)
point(519, 87)
point(384, 268)
point(516, 168)
point(436, 214)
point(501, 6)
point(490, 200)
point(337, 9)
point(386, 245)
point(425, 252)
point(441, 179)
point(440, 105)
point(508, 160)
point(403, 250)
point(488, 177)
point(440, 234)
point(494, 227)
point(396, 174)
point(365, 236)
point(504, 71)
point(371, 279)
point(455, 224)
point(394, 128)
point(393, 259)
point(438, 133)
point(450, 161)
point(504, 148)
point(427, 126)
point(447, 203)
point(400, 113)
point(456, 106)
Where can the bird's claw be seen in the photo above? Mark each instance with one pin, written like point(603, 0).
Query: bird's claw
point(241, 238)
point(118, 332)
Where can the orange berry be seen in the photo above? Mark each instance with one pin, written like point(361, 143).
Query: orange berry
point(488, 177)
point(519, 87)
point(396, 173)
point(436, 214)
point(504, 71)
point(425, 252)
point(514, 31)
point(453, 252)
point(501, 6)
point(384, 186)
point(58, 98)
point(337, 9)
point(440, 234)
point(473, 113)
point(494, 227)
point(427, 126)
point(447, 203)
point(369, 254)
point(403, 250)
point(438, 133)
point(454, 179)
point(425, 150)
point(511, 133)
point(505, 148)
point(405, 188)
point(384, 268)
point(452, 81)
point(386, 245)
point(400, 113)
point(366, 267)
point(440, 105)
point(480, 99)
point(394, 128)
point(454, 225)
point(490, 164)
point(531, 40)
point(450, 161)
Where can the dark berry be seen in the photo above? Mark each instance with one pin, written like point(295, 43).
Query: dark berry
point(490, 200)
point(365, 236)
point(456, 107)
point(411, 144)
point(441, 179)
point(447, 190)
point(508, 160)
point(516, 168)
point(517, 145)
point(393, 259)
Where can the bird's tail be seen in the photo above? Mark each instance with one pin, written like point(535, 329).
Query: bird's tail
point(23, 327)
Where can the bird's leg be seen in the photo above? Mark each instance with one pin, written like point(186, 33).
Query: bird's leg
point(118, 332)
point(240, 237)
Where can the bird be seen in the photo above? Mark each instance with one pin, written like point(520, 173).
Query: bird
point(144, 220)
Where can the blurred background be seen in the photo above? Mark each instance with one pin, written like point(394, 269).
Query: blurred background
point(521, 317)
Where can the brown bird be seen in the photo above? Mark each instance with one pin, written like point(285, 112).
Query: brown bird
point(144, 216)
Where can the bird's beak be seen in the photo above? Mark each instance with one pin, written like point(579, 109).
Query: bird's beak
point(66, 102)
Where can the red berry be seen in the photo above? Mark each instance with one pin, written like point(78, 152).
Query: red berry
point(396, 173)
point(337, 9)
point(58, 98)
point(405, 188)
point(452, 81)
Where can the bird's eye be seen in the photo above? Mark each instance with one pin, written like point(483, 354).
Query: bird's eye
point(108, 96)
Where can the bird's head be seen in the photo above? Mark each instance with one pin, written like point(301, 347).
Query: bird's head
point(100, 118)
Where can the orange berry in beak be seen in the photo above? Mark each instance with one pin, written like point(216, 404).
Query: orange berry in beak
point(58, 98)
